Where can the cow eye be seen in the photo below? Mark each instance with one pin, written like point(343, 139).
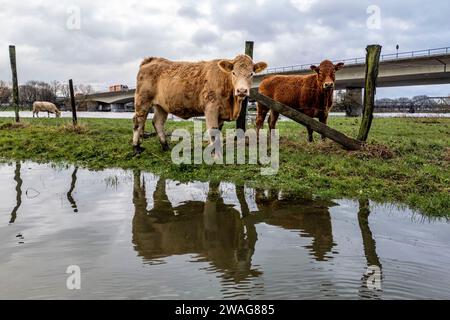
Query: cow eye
point(233, 73)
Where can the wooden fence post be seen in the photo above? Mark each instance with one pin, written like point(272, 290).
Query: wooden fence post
point(241, 122)
point(72, 103)
point(15, 93)
point(372, 63)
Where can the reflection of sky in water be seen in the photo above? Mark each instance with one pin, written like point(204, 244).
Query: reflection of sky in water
point(214, 249)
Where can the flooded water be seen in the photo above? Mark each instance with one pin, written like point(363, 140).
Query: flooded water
point(129, 115)
point(135, 235)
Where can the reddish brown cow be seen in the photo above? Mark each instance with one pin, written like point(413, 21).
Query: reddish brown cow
point(310, 94)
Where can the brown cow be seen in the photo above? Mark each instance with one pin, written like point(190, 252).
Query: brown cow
point(214, 88)
point(310, 94)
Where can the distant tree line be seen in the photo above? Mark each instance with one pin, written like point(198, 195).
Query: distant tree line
point(346, 103)
point(32, 91)
point(5, 92)
point(422, 101)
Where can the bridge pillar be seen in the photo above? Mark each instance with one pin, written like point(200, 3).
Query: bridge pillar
point(117, 107)
point(353, 101)
point(92, 106)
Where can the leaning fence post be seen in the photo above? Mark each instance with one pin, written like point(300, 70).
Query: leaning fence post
point(72, 103)
point(372, 63)
point(242, 119)
point(15, 93)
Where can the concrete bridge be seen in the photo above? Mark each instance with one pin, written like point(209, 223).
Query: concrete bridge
point(110, 101)
point(423, 67)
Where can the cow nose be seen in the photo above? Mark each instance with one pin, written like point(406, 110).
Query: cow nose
point(242, 92)
point(328, 85)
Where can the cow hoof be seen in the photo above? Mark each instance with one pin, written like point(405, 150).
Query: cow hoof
point(138, 150)
point(165, 146)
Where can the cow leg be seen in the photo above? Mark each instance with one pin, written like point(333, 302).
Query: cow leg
point(323, 118)
point(273, 118)
point(159, 119)
point(212, 123)
point(48, 114)
point(221, 123)
point(310, 134)
point(139, 119)
point(147, 135)
point(261, 112)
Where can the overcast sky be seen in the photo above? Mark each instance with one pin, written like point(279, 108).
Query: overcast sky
point(103, 42)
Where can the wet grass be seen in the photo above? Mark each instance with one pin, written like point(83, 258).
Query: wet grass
point(406, 160)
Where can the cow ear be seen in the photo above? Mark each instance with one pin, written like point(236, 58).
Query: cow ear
point(338, 66)
point(226, 65)
point(315, 68)
point(259, 67)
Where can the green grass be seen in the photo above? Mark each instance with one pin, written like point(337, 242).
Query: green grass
point(407, 160)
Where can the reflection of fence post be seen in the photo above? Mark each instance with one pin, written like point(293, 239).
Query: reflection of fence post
point(372, 62)
point(15, 93)
point(241, 121)
point(367, 236)
point(72, 188)
point(19, 183)
point(72, 103)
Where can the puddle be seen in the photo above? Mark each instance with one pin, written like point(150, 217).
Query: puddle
point(134, 235)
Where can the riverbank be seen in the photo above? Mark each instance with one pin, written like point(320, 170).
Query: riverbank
point(407, 160)
point(129, 115)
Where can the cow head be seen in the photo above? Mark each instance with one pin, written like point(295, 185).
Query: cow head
point(326, 73)
point(58, 113)
point(242, 70)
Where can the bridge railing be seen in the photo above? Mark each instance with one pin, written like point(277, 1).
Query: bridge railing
point(362, 60)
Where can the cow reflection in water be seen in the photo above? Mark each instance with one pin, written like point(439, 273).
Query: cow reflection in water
point(211, 229)
point(310, 217)
point(219, 233)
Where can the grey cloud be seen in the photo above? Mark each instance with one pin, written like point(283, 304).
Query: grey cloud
point(116, 35)
point(190, 11)
point(204, 37)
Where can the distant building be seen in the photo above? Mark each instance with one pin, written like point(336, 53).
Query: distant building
point(118, 88)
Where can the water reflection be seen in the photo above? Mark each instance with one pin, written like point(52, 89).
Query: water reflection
point(19, 182)
point(208, 240)
point(72, 188)
point(218, 232)
point(368, 241)
point(371, 285)
point(211, 229)
point(311, 218)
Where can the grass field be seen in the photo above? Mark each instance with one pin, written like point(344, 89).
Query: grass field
point(406, 161)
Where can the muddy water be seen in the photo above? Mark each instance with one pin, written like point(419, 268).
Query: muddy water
point(134, 235)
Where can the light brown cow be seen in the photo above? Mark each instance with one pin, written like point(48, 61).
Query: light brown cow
point(214, 88)
point(310, 94)
point(41, 106)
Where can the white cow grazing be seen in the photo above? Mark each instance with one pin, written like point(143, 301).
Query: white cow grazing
point(48, 107)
